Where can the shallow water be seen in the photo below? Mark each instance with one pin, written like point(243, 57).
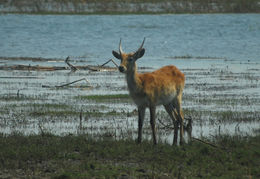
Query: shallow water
point(219, 55)
point(222, 97)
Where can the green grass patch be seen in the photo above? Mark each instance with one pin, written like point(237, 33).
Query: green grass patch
point(85, 157)
point(63, 113)
point(104, 98)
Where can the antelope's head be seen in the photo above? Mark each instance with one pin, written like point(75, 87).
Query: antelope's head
point(128, 59)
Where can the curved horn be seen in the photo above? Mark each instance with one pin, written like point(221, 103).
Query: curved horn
point(120, 47)
point(141, 45)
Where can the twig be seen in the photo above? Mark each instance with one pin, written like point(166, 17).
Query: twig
point(67, 84)
point(60, 86)
point(187, 126)
point(18, 93)
point(205, 142)
point(92, 68)
point(168, 127)
point(41, 129)
point(80, 120)
point(72, 68)
point(111, 60)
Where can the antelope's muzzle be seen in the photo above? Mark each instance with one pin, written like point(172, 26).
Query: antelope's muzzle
point(121, 69)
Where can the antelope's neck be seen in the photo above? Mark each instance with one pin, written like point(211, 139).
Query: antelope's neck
point(133, 81)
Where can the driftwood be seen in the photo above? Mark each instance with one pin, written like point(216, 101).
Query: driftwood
point(33, 59)
point(67, 84)
point(111, 60)
point(31, 68)
point(91, 68)
point(60, 86)
point(72, 68)
point(54, 68)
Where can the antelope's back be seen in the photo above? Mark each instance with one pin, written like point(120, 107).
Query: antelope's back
point(164, 84)
point(166, 76)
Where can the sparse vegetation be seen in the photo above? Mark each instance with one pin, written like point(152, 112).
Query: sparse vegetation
point(103, 98)
point(82, 156)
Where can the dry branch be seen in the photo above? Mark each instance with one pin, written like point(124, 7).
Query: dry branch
point(72, 68)
point(205, 142)
point(60, 86)
point(31, 68)
point(187, 126)
point(54, 68)
point(111, 60)
point(167, 127)
point(67, 84)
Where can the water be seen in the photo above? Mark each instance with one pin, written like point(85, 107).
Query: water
point(229, 36)
point(219, 54)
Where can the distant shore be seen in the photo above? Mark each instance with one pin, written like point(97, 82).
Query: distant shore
point(128, 7)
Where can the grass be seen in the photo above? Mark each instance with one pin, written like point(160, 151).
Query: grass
point(72, 113)
point(103, 98)
point(84, 157)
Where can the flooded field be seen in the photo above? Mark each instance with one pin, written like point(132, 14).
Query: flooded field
point(221, 97)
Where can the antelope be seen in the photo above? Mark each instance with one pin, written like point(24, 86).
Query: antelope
point(148, 90)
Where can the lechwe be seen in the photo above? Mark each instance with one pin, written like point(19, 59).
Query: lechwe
point(163, 86)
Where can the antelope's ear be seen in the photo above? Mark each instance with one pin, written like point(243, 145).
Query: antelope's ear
point(139, 53)
point(117, 55)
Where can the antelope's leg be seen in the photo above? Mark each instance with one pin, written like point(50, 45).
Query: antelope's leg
point(141, 114)
point(152, 122)
point(170, 110)
point(180, 116)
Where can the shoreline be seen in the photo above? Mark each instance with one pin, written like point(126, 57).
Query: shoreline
point(127, 7)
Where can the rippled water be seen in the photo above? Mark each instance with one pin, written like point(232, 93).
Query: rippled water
point(219, 54)
point(229, 36)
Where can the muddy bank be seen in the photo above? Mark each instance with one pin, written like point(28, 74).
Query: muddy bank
point(114, 7)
